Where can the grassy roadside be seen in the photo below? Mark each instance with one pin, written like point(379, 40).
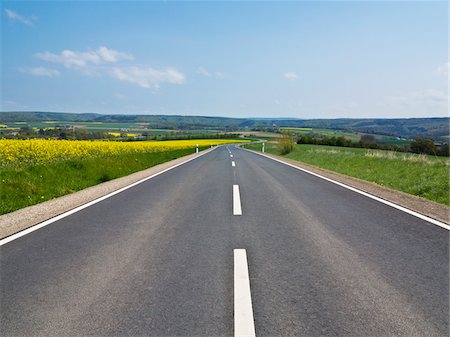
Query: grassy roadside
point(27, 185)
point(421, 175)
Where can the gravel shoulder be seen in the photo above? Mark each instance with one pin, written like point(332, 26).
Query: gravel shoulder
point(426, 207)
point(24, 218)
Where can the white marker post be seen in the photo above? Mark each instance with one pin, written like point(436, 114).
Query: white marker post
point(263, 147)
point(196, 148)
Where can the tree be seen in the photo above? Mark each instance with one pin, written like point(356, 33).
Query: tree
point(424, 146)
point(368, 139)
point(444, 151)
point(286, 143)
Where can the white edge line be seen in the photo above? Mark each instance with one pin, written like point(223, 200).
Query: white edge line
point(237, 209)
point(244, 323)
point(386, 202)
point(90, 203)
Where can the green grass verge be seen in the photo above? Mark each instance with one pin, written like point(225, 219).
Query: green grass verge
point(32, 184)
point(425, 176)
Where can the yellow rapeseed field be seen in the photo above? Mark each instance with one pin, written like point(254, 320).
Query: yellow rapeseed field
point(40, 151)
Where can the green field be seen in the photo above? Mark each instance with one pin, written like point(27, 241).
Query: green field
point(354, 136)
point(421, 175)
point(89, 126)
point(138, 128)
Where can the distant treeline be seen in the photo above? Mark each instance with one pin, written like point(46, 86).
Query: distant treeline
point(181, 136)
point(420, 145)
point(27, 132)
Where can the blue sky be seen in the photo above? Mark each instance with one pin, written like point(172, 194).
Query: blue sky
point(240, 59)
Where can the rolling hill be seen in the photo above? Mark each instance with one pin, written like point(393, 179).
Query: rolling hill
point(432, 128)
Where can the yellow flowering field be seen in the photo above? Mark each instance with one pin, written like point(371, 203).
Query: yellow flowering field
point(40, 151)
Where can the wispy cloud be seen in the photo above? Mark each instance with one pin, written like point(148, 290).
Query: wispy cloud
point(148, 77)
point(291, 76)
point(120, 97)
point(203, 71)
point(81, 60)
point(219, 74)
point(105, 61)
point(428, 98)
point(443, 69)
point(207, 73)
point(40, 71)
point(14, 16)
point(9, 105)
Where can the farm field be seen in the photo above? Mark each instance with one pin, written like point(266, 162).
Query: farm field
point(354, 136)
point(111, 128)
point(93, 126)
point(32, 171)
point(258, 134)
point(421, 175)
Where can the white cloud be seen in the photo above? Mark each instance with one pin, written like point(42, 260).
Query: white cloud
point(291, 76)
point(40, 71)
point(110, 55)
point(148, 77)
point(14, 16)
point(443, 69)
point(100, 62)
point(80, 60)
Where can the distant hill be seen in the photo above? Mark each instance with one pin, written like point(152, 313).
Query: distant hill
point(40, 116)
point(156, 121)
point(433, 128)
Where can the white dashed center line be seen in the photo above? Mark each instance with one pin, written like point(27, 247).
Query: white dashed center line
point(244, 324)
point(237, 209)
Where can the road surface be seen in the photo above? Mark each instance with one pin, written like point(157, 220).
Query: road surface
point(158, 260)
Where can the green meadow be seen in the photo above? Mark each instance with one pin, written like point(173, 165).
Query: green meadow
point(421, 175)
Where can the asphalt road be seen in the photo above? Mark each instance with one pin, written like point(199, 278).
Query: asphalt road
point(157, 260)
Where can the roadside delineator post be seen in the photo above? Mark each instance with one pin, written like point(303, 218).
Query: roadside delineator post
point(196, 148)
point(263, 147)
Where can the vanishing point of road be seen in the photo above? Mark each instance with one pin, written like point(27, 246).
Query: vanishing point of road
point(231, 243)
